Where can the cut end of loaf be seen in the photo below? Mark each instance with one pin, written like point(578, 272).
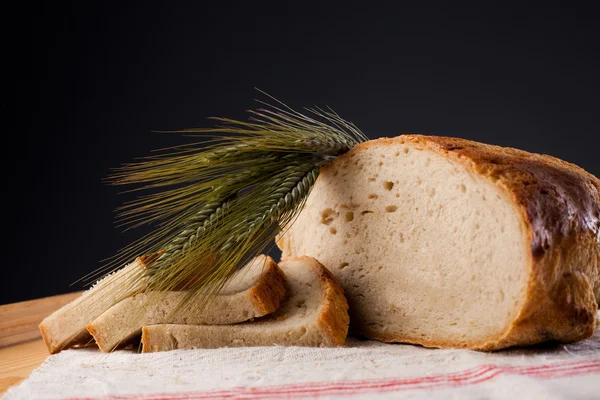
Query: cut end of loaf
point(432, 244)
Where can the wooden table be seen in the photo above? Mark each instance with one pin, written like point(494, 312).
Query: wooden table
point(21, 347)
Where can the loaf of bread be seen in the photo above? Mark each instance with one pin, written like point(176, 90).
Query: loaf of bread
point(446, 242)
point(66, 327)
point(254, 291)
point(314, 313)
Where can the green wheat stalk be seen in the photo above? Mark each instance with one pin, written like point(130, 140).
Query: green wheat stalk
point(219, 202)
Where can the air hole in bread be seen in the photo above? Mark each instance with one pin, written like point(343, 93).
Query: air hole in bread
point(373, 196)
point(333, 231)
point(366, 212)
point(388, 185)
point(391, 208)
point(327, 216)
point(349, 216)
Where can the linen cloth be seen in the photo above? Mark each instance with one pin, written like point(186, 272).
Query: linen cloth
point(360, 370)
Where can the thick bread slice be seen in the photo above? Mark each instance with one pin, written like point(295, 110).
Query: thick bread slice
point(256, 290)
point(66, 327)
point(314, 313)
point(451, 243)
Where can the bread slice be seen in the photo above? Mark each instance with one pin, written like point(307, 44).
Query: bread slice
point(447, 242)
point(66, 327)
point(314, 313)
point(256, 290)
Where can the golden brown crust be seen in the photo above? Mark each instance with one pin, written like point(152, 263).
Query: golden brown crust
point(560, 203)
point(269, 291)
point(83, 338)
point(333, 320)
point(146, 347)
point(46, 339)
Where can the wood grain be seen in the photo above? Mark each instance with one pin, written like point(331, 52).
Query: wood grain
point(19, 321)
point(17, 362)
point(21, 348)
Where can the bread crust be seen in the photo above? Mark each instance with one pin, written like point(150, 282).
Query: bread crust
point(333, 320)
point(560, 204)
point(267, 294)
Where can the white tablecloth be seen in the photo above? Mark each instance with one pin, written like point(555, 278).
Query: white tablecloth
point(361, 370)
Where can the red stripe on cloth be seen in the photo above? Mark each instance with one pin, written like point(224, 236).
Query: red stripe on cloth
point(291, 387)
point(467, 377)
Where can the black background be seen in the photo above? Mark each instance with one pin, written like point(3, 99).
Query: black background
point(88, 82)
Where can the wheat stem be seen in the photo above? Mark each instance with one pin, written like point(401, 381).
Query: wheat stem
point(226, 198)
point(285, 197)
